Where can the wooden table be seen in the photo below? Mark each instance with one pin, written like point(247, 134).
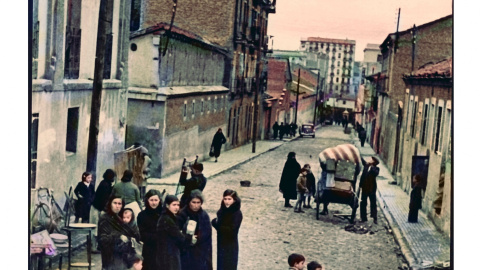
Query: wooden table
point(78, 228)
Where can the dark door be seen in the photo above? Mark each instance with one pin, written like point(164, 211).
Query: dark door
point(420, 167)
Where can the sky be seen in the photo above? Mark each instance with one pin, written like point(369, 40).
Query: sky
point(365, 21)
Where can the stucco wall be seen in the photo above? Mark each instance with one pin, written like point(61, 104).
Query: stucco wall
point(142, 67)
point(57, 168)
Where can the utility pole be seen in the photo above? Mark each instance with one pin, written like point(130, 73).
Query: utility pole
point(104, 19)
point(298, 93)
point(316, 99)
point(257, 86)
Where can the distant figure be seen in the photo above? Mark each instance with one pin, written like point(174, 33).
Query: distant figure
point(288, 180)
point(196, 181)
point(301, 190)
point(310, 186)
point(275, 130)
point(282, 130)
point(368, 184)
point(218, 140)
point(415, 199)
point(129, 192)
point(293, 129)
point(296, 261)
point(362, 135)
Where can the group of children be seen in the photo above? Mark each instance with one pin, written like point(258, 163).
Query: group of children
point(297, 262)
point(305, 188)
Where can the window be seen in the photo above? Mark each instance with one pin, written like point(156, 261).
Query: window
point(73, 39)
point(135, 15)
point(33, 150)
point(338, 71)
point(338, 63)
point(414, 114)
point(193, 108)
point(344, 102)
point(339, 55)
point(438, 129)
point(184, 110)
point(321, 45)
point(201, 107)
point(72, 130)
point(337, 80)
point(208, 105)
point(425, 125)
point(215, 105)
point(36, 28)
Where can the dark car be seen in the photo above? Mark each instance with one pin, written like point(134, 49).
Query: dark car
point(307, 130)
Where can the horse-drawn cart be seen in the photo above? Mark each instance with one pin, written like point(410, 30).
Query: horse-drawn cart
point(337, 183)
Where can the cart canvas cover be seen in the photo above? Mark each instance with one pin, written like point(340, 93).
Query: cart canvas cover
point(341, 152)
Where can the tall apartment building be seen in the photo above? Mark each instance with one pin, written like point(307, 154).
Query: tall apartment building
point(341, 55)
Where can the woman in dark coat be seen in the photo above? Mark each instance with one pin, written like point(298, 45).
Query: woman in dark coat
point(415, 200)
point(147, 225)
point(170, 239)
point(114, 236)
point(227, 223)
point(198, 256)
point(217, 142)
point(85, 193)
point(104, 190)
point(288, 181)
point(275, 130)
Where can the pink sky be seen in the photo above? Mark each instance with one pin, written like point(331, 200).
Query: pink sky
point(365, 21)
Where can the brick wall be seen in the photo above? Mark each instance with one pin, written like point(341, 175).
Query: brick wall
point(212, 20)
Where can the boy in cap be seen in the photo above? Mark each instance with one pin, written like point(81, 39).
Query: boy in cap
point(197, 181)
point(368, 184)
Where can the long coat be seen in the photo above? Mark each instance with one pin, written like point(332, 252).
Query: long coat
point(110, 228)
point(198, 256)
point(147, 225)
point(288, 181)
point(217, 142)
point(416, 198)
point(227, 224)
point(102, 194)
point(197, 181)
point(83, 205)
point(169, 242)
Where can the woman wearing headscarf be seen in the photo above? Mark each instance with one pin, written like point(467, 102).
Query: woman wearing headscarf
point(227, 223)
point(288, 181)
point(170, 239)
point(147, 224)
point(198, 256)
point(114, 236)
point(129, 192)
point(218, 140)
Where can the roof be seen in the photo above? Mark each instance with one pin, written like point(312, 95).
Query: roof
point(372, 46)
point(145, 93)
point(162, 27)
point(330, 40)
point(441, 69)
point(392, 35)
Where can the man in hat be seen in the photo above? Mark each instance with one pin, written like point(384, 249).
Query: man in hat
point(197, 181)
point(368, 185)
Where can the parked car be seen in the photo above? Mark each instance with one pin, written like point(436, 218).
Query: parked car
point(307, 130)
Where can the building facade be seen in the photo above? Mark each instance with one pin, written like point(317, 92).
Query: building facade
point(177, 95)
point(240, 26)
point(427, 137)
point(63, 50)
point(341, 56)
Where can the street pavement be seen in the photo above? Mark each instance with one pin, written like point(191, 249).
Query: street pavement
point(270, 232)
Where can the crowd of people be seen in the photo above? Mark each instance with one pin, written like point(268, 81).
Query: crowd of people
point(173, 234)
point(287, 130)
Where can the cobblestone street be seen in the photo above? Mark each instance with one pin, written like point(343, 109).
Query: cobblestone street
point(270, 232)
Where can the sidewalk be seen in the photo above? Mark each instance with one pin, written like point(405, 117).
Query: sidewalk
point(421, 243)
point(228, 159)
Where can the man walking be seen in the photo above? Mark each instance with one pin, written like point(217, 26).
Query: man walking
point(368, 185)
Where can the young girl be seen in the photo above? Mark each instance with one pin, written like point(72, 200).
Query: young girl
point(301, 190)
point(85, 193)
point(310, 185)
point(227, 223)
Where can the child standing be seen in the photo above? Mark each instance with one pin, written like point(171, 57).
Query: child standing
point(301, 190)
point(310, 185)
point(415, 199)
point(296, 261)
point(85, 193)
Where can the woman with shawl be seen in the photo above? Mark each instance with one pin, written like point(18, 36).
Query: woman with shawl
point(114, 236)
point(288, 181)
point(198, 256)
